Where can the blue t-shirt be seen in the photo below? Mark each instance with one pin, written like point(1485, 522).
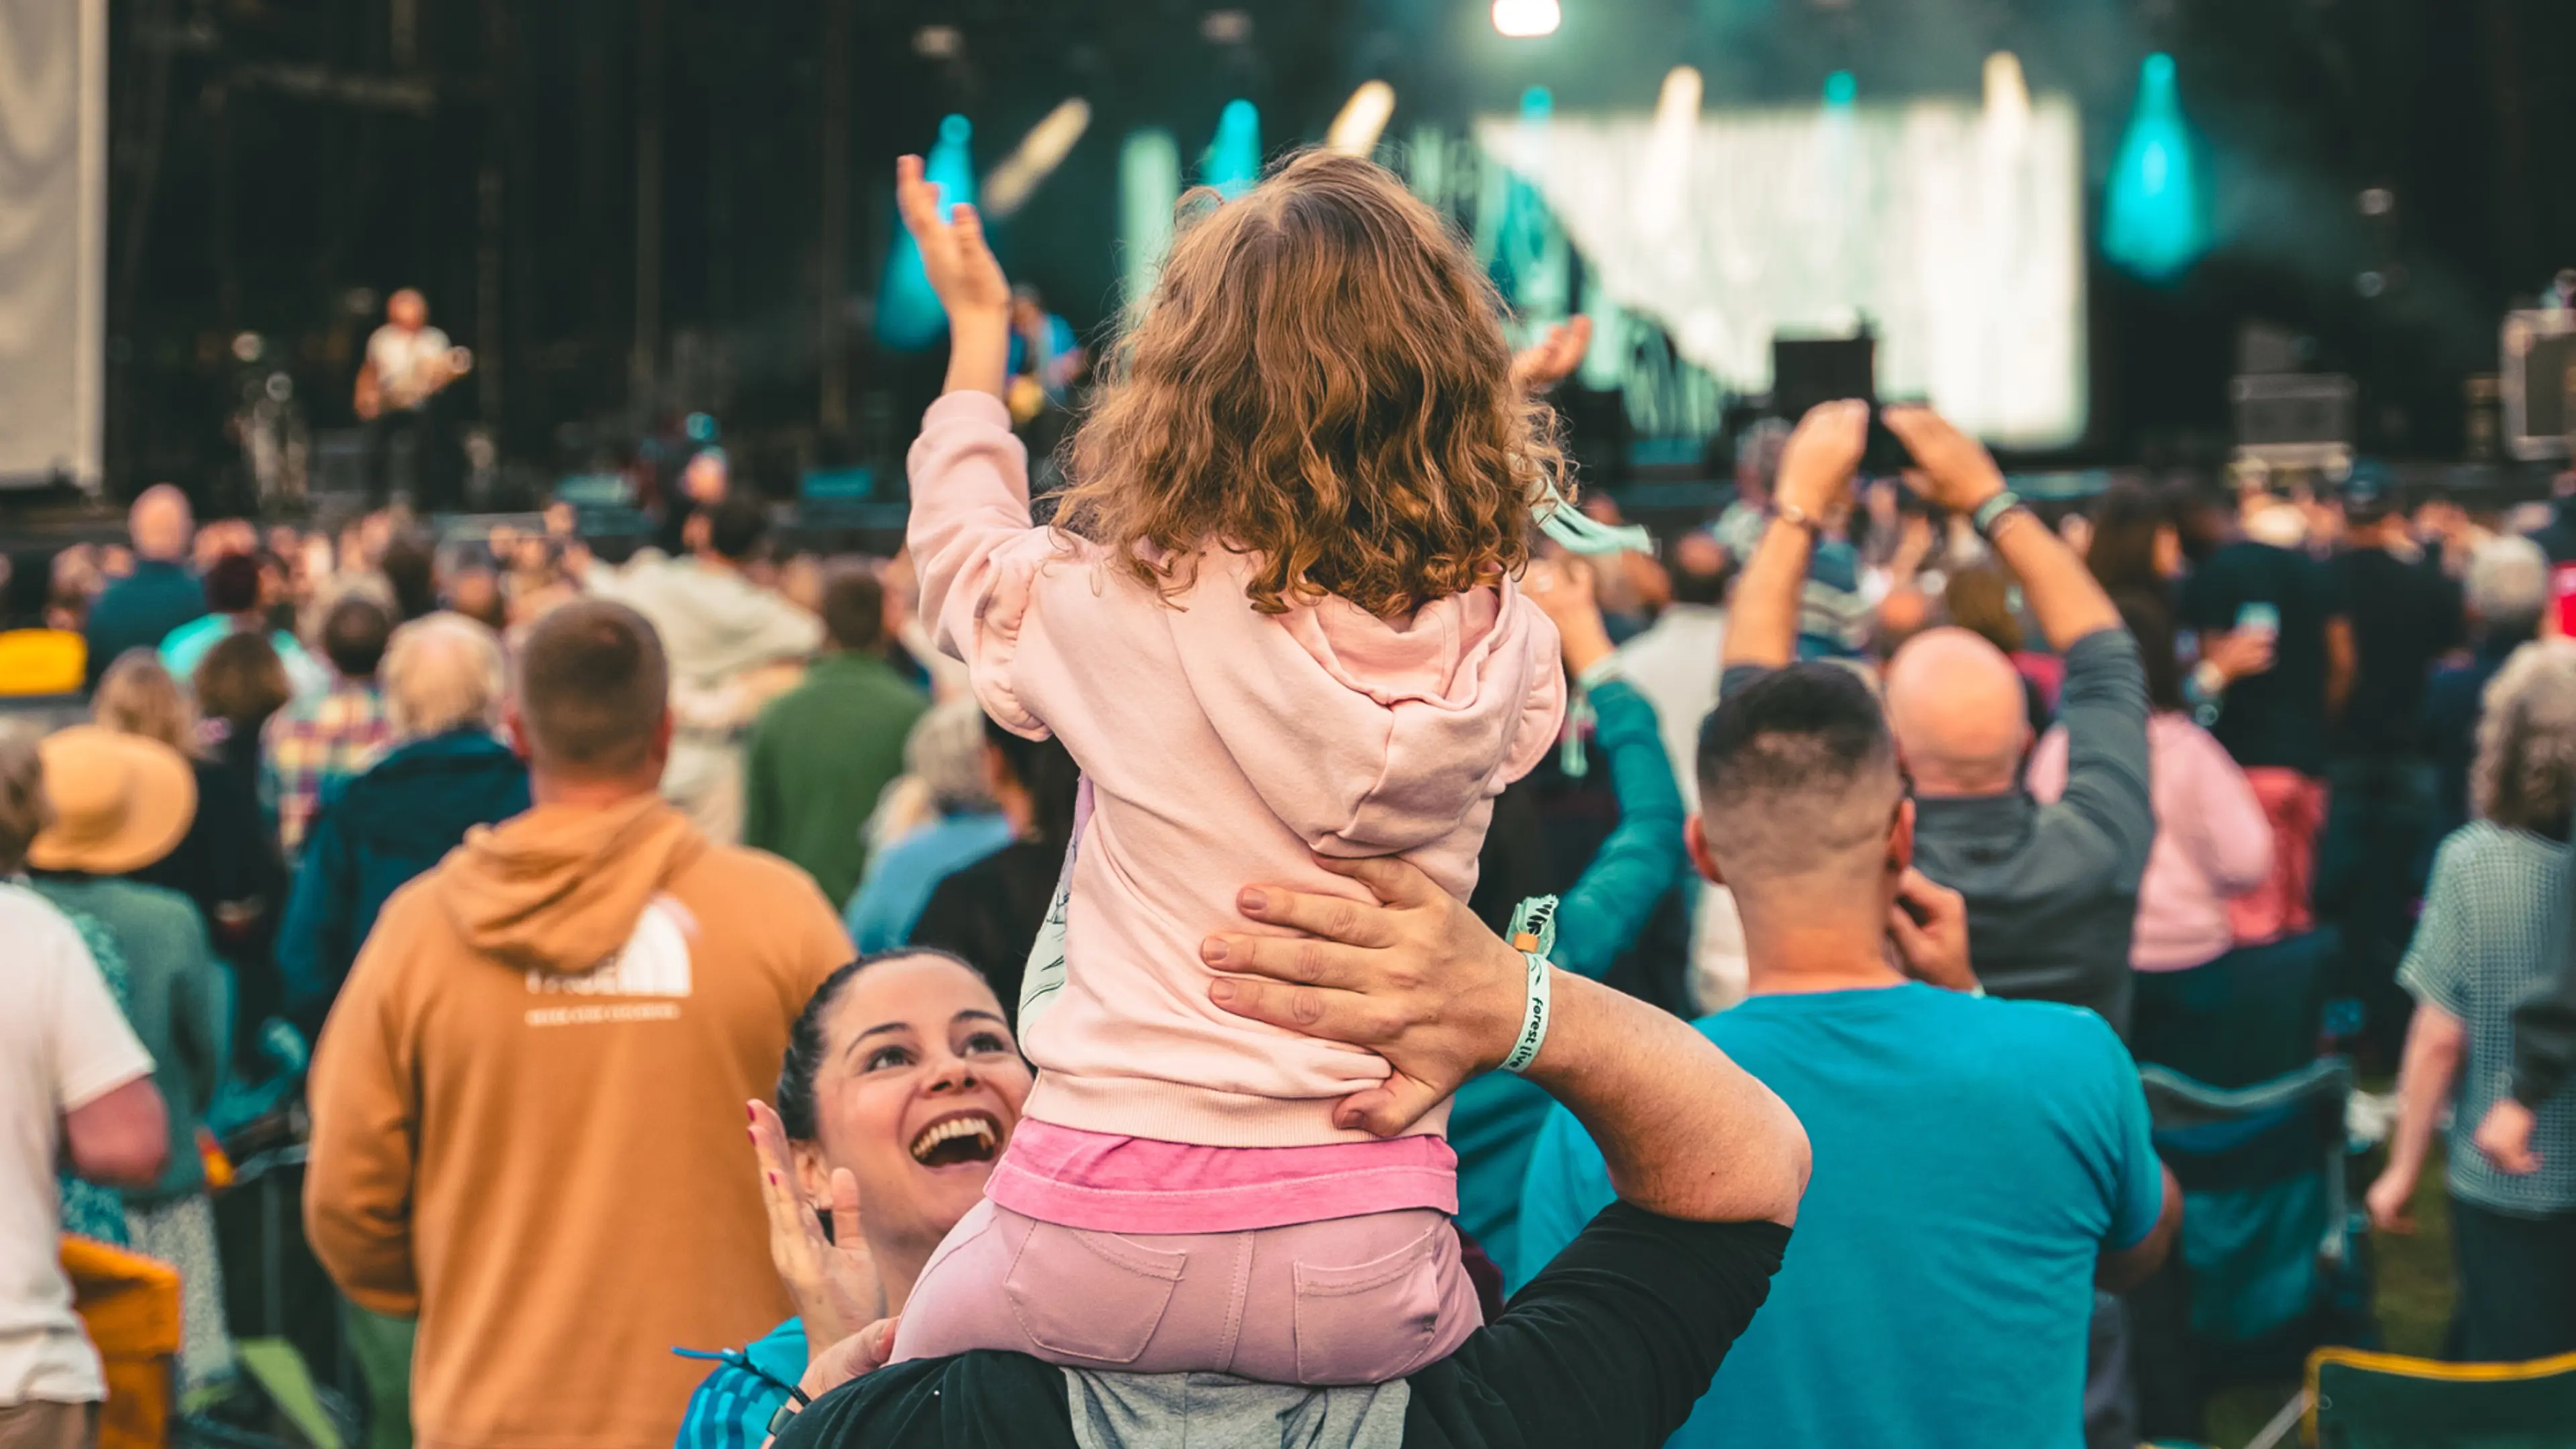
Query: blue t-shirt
point(901, 877)
point(1973, 1157)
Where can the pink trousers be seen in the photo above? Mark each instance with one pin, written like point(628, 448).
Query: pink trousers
point(1358, 1300)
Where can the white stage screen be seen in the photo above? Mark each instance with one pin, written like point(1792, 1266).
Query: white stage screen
point(1957, 231)
point(53, 238)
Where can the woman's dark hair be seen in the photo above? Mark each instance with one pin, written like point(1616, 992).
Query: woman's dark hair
point(2152, 623)
point(2123, 552)
point(1048, 773)
point(805, 1043)
point(1979, 600)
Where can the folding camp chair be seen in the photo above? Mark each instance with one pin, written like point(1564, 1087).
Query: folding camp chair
point(2267, 1232)
point(2250, 1016)
point(2360, 1400)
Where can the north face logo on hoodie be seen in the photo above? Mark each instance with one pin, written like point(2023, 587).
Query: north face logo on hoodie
point(653, 962)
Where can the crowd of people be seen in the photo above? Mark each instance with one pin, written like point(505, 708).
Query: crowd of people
point(1322, 942)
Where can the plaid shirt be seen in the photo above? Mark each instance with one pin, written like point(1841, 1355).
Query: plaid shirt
point(311, 746)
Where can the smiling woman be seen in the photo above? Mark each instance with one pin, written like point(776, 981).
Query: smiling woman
point(900, 1088)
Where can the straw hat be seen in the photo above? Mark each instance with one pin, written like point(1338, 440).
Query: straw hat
point(120, 802)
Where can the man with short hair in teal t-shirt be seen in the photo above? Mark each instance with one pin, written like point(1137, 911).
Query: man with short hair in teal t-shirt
point(1980, 1165)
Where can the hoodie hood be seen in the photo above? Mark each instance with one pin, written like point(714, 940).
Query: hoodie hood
point(713, 621)
point(562, 888)
point(1373, 736)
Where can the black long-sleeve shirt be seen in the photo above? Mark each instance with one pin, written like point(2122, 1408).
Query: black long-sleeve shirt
point(1608, 1348)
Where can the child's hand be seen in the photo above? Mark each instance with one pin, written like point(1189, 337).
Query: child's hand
point(961, 268)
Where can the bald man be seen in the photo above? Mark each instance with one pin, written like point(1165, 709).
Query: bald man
point(139, 610)
point(2051, 889)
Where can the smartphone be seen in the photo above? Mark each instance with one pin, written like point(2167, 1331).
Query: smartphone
point(2260, 617)
point(2562, 588)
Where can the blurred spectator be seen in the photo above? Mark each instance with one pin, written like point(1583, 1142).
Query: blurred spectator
point(475, 592)
point(139, 610)
point(2557, 538)
point(1674, 663)
point(2507, 589)
point(123, 803)
point(937, 819)
point(411, 571)
point(1757, 466)
point(241, 683)
point(443, 686)
point(76, 1089)
point(820, 754)
point(2375, 849)
point(228, 863)
point(1979, 600)
point(237, 604)
point(988, 913)
point(557, 1025)
point(2137, 542)
point(2211, 842)
point(312, 746)
point(733, 647)
point(2276, 719)
point(2495, 932)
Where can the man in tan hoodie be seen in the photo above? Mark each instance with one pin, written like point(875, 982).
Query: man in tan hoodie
point(527, 1103)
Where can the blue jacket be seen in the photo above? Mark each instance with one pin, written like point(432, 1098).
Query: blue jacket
point(733, 1407)
point(137, 611)
point(374, 833)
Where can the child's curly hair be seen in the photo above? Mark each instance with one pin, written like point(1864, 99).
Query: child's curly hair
point(1318, 380)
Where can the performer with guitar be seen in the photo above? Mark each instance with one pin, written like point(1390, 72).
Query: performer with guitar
point(407, 363)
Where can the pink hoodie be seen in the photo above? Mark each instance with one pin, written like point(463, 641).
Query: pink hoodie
point(1222, 746)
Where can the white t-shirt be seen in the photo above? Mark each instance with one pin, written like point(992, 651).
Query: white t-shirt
point(403, 362)
point(63, 1045)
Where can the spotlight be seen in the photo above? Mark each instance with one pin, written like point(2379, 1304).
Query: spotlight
point(2151, 216)
point(1038, 153)
point(1362, 120)
point(1841, 89)
point(2007, 93)
point(937, 42)
point(1226, 27)
point(1526, 19)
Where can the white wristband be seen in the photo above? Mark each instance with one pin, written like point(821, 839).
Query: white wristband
point(1533, 1019)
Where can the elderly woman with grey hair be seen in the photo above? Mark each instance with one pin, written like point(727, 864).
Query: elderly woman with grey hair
point(444, 683)
point(2506, 589)
point(2494, 929)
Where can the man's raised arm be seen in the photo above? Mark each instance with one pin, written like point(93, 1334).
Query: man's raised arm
point(1815, 468)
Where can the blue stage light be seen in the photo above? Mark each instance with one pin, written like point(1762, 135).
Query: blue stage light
point(1841, 89)
point(909, 317)
point(1234, 158)
point(2152, 220)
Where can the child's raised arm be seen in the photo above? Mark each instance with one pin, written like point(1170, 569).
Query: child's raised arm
point(969, 282)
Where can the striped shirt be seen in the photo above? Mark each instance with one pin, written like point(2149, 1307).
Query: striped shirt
point(2494, 930)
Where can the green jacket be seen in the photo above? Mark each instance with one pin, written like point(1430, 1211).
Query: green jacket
point(818, 757)
point(179, 1002)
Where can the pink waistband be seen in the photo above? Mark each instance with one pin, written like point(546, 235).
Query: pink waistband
point(1110, 1184)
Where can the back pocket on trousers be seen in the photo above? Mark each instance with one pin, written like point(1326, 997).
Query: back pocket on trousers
point(1095, 1297)
point(1373, 1321)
